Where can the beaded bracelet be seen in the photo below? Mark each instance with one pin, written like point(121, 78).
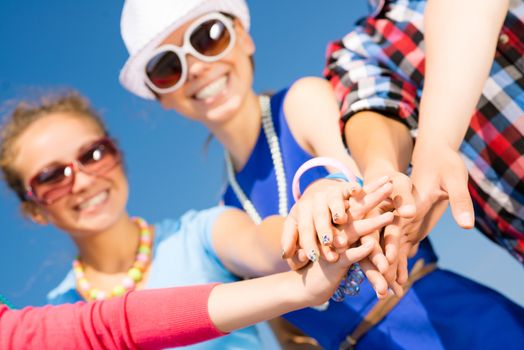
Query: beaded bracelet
point(320, 161)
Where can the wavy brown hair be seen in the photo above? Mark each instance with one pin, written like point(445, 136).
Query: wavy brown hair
point(28, 112)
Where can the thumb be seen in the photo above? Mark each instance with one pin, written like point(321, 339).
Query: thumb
point(460, 200)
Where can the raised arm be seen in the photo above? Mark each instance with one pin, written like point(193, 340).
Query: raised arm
point(151, 319)
point(156, 319)
point(461, 37)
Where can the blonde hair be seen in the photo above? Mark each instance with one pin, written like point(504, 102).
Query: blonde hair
point(28, 112)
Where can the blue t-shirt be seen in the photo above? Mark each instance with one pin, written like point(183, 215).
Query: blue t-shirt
point(183, 255)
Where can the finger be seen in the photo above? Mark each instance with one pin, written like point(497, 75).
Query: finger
point(340, 240)
point(338, 206)
point(376, 184)
point(397, 289)
point(402, 273)
point(328, 254)
point(322, 222)
point(460, 201)
point(375, 278)
point(392, 235)
point(289, 237)
point(307, 235)
point(298, 261)
point(376, 256)
point(359, 208)
point(353, 255)
point(366, 226)
point(403, 197)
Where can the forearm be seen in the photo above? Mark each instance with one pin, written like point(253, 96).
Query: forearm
point(247, 249)
point(378, 144)
point(460, 39)
point(150, 319)
point(266, 298)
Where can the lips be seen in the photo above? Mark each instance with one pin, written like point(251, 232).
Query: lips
point(213, 89)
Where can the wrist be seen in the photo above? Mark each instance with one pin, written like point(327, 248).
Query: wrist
point(379, 168)
point(299, 298)
point(316, 162)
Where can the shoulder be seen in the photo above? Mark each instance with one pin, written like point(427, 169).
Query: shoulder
point(311, 111)
point(188, 222)
point(306, 90)
point(231, 219)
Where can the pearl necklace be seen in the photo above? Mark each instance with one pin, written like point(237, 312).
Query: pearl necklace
point(134, 274)
point(276, 156)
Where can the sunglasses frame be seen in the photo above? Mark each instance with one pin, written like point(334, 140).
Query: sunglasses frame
point(75, 166)
point(187, 48)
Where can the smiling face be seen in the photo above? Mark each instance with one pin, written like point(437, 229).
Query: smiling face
point(214, 91)
point(95, 202)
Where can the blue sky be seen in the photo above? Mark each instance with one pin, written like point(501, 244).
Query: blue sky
point(58, 44)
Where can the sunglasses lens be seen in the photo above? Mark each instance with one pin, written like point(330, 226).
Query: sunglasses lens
point(211, 38)
point(51, 184)
point(100, 157)
point(164, 70)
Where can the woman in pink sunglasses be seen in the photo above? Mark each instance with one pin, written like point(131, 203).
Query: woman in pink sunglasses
point(58, 157)
point(195, 57)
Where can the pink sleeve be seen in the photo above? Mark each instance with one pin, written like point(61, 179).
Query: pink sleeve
point(150, 319)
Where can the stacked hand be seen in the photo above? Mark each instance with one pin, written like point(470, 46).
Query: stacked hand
point(393, 214)
point(331, 217)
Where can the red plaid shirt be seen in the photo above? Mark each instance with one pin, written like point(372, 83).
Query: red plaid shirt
point(380, 67)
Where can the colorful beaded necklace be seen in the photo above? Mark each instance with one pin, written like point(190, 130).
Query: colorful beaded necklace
point(134, 274)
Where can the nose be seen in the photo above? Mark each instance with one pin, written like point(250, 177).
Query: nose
point(82, 180)
point(196, 67)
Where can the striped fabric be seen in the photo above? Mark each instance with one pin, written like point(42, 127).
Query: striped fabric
point(379, 66)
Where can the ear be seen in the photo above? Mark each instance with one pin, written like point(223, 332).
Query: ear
point(244, 39)
point(34, 213)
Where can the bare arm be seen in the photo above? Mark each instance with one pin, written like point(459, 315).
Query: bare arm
point(247, 249)
point(237, 305)
point(460, 37)
point(313, 117)
point(156, 319)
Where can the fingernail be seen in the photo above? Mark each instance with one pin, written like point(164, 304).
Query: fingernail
point(466, 219)
point(336, 216)
point(312, 255)
point(325, 239)
point(282, 253)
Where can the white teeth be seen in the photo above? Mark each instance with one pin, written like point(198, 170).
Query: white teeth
point(212, 89)
point(99, 198)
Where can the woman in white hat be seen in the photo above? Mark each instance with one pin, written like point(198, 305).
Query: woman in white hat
point(195, 57)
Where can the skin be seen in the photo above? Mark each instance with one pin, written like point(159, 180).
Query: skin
point(107, 238)
point(233, 116)
point(453, 53)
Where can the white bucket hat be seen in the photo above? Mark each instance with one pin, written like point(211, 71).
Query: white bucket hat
point(146, 23)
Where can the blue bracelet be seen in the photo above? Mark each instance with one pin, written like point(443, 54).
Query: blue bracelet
point(341, 176)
